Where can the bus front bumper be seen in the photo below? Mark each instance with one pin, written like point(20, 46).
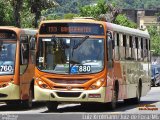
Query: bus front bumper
point(10, 92)
point(69, 96)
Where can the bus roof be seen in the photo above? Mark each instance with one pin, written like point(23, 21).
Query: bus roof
point(127, 30)
point(9, 28)
point(17, 30)
point(110, 26)
point(76, 20)
point(30, 31)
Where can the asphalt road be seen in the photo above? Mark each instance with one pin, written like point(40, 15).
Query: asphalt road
point(150, 104)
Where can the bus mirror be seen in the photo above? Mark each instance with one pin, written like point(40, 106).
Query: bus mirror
point(113, 44)
point(32, 43)
point(110, 38)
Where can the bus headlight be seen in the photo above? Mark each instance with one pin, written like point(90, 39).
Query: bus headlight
point(2, 85)
point(42, 84)
point(97, 84)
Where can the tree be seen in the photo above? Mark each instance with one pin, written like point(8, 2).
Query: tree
point(27, 18)
point(38, 5)
point(9, 12)
point(2, 15)
point(155, 39)
point(121, 19)
point(17, 5)
point(107, 12)
point(94, 10)
point(70, 16)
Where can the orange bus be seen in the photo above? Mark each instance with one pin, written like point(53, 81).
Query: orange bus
point(17, 62)
point(89, 61)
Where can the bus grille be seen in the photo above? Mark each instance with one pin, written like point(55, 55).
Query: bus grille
point(70, 81)
point(64, 87)
point(68, 94)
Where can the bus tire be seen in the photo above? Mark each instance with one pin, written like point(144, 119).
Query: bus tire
point(113, 103)
point(153, 83)
point(28, 103)
point(52, 106)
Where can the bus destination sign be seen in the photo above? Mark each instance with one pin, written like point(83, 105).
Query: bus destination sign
point(7, 34)
point(72, 28)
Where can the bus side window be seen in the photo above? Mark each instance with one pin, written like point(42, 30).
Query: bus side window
point(142, 49)
point(24, 53)
point(110, 49)
point(139, 49)
point(128, 57)
point(116, 48)
point(130, 48)
point(134, 49)
point(145, 46)
point(122, 46)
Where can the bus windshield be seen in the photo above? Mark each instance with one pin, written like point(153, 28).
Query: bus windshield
point(7, 57)
point(82, 55)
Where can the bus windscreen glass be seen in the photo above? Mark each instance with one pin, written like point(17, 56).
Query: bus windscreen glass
point(7, 57)
point(71, 55)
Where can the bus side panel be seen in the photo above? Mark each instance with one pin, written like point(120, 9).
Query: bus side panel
point(146, 85)
point(137, 71)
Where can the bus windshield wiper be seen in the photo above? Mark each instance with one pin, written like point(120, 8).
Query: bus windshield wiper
point(80, 43)
point(74, 62)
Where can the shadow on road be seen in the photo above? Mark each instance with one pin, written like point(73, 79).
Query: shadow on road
point(19, 107)
point(121, 107)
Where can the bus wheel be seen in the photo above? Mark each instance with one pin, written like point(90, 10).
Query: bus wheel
point(153, 83)
point(113, 103)
point(30, 98)
point(52, 106)
point(28, 103)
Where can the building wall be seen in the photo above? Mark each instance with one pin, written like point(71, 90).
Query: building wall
point(142, 17)
point(131, 14)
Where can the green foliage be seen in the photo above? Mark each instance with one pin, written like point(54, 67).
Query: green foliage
point(155, 39)
point(94, 10)
point(121, 19)
point(53, 17)
point(102, 8)
point(136, 3)
point(6, 11)
point(67, 9)
point(27, 18)
point(70, 16)
point(71, 6)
